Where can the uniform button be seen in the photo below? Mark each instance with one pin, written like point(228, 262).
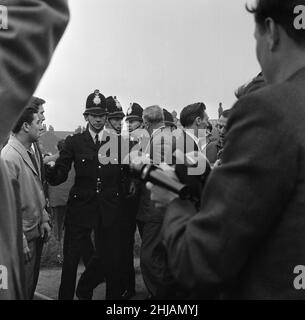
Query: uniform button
point(98, 179)
point(100, 167)
point(83, 160)
point(75, 196)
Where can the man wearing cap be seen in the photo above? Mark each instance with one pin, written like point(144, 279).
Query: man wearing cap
point(134, 122)
point(134, 117)
point(109, 238)
point(83, 208)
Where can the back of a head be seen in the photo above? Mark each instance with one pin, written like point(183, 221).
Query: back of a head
point(283, 12)
point(26, 117)
point(153, 115)
point(191, 112)
point(60, 144)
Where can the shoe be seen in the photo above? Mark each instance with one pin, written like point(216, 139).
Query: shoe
point(127, 295)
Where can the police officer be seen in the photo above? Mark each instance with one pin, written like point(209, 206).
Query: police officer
point(84, 208)
point(134, 120)
point(109, 238)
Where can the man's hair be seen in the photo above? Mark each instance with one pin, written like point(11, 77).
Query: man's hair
point(282, 12)
point(153, 114)
point(191, 112)
point(226, 113)
point(35, 102)
point(60, 144)
point(27, 116)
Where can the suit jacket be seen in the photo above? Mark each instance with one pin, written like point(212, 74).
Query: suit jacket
point(248, 236)
point(187, 143)
point(21, 70)
point(32, 200)
point(98, 189)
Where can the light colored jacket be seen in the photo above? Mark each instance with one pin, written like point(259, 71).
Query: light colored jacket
point(32, 198)
point(35, 26)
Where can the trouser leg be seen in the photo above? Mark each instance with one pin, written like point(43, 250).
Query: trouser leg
point(75, 241)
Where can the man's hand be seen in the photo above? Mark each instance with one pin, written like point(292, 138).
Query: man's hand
point(45, 231)
point(162, 197)
point(26, 251)
point(132, 189)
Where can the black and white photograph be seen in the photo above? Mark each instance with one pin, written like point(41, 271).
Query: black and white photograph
point(152, 150)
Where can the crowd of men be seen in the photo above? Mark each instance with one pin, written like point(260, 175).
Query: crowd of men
point(238, 234)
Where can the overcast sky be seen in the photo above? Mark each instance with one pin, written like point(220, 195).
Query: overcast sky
point(166, 52)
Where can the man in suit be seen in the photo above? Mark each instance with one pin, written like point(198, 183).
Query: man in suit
point(20, 75)
point(24, 168)
point(194, 121)
point(248, 237)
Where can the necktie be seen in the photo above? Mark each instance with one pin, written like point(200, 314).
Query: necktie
point(34, 162)
point(97, 142)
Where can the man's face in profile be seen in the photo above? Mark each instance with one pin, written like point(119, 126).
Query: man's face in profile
point(35, 128)
point(41, 113)
point(221, 127)
point(116, 124)
point(133, 125)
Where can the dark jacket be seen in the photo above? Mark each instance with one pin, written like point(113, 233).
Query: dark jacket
point(248, 236)
point(98, 189)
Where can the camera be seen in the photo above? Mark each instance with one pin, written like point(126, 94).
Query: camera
point(147, 172)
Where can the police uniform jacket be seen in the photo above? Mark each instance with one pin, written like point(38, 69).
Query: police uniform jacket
point(98, 189)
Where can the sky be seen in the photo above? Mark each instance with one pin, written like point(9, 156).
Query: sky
point(166, 52)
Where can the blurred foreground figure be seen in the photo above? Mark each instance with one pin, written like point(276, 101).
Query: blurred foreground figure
point(21, 70)
point(247, 240)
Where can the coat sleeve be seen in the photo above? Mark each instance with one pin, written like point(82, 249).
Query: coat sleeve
point(26, 47)
point(241, 201)
point(59, 173)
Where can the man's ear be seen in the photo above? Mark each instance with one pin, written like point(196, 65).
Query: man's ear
point(26, 127)
point(198, 121)
point(273, 33)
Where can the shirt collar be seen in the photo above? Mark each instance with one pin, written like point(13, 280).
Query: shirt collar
point(93, 134)
point(190, 134)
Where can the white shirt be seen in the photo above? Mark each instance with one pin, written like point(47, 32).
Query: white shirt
point(93, 134)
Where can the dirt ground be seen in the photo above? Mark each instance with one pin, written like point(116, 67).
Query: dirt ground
point(49, 281)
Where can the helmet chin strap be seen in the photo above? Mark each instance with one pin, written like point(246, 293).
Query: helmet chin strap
point(138, 127)
point(95, 129)
point(116, 130)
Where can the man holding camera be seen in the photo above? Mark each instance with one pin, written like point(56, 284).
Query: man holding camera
point(248, 237)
